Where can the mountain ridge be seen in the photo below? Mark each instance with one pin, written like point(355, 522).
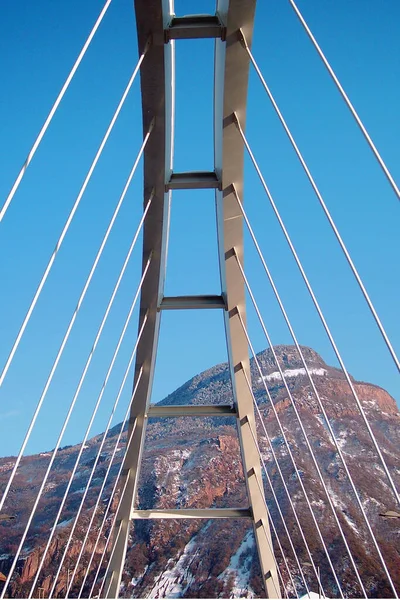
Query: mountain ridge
point(196, 462)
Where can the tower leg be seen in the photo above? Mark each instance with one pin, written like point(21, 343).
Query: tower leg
point(157, 103)
point(231, 81)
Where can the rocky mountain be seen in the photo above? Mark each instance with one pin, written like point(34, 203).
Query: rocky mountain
point(196, 463)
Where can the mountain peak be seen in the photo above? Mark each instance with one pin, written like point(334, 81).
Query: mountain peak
point(289, 357)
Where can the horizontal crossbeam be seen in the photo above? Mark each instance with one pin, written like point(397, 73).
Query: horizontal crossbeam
point(191, 302)
point(193, 180)
point(194, 27)
point(193, 410)
point(193, 513)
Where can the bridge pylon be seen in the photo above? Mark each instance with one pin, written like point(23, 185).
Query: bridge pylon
point(158, 27)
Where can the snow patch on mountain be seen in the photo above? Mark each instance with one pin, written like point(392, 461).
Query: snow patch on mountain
point(48, 487)
point(338, 502)
point(138, 578)
point(175, 580)
point(239, 569)
point(7, 466)
point(5, 556)
point(65, 523)
point(293, 373)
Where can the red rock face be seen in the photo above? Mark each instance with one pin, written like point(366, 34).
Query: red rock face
point(196, 463)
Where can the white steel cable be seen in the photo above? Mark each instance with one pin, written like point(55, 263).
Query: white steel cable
point(67, 418)
point(49, 117)
point(269, 539)
point(326, 210)
point(111, 530)
point(274, 528)
point(109, 537)
point(298, 474)
point(112, 576)
point(76, 518)
point(347, 101)
point(318, 470)
point(103, 524)
point(112, 551)
point(106, 512)
point(321, 315)
point(285, 488)
point(278, 570)
point(106, 595)
point(87, 568)
point(295, 553)
point(270, 545)
point(71, 480)
point(72, 321)
point(330, 428)
point(102, 488)
point(262, 492)
point(69, 220)
point(98, 457)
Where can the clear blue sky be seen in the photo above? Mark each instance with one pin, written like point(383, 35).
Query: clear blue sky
point(38, 43)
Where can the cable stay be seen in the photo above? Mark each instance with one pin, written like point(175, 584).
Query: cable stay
point(347, 101)
point(70, 217)
point(106, 513)
point(327, 420)
point(324, 207)
point(281, 530)
point(295, 465)
point(320, 314)
point(105, 480)
point(104, 320)
point(59, 440)
point(111, 462)
point(86, 436)
point(128, 368)
point(78, 306)
point(287, 320)
point(282, 519)
point(52, 112)
point(276, 461)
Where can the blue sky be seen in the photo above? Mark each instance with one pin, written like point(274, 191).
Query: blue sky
point(38, 44)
